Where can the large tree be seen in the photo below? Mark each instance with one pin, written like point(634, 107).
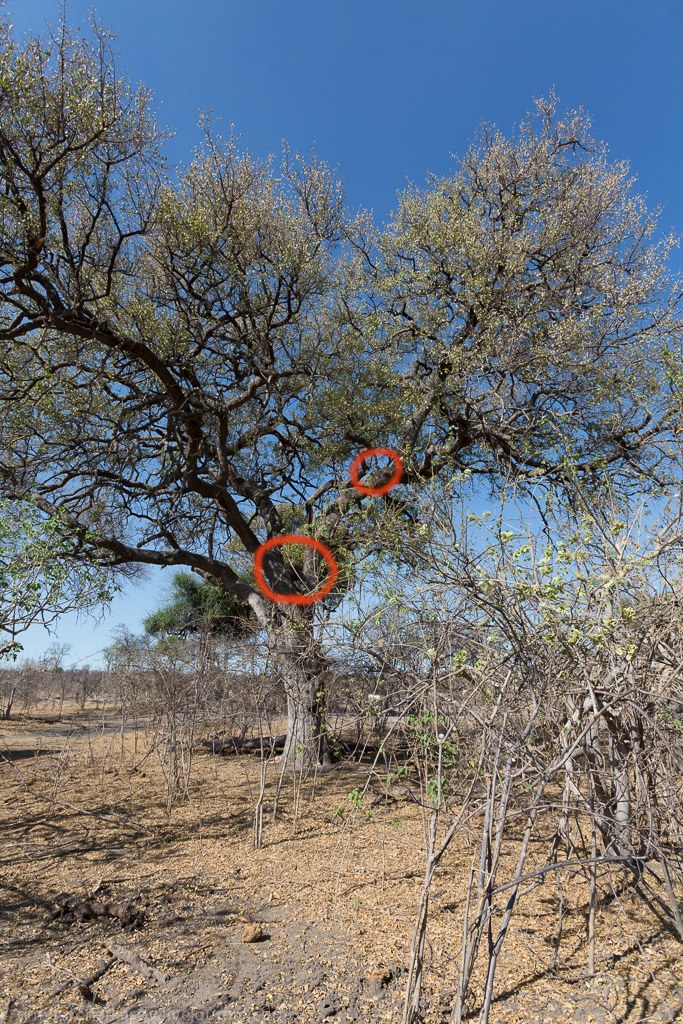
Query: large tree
point(185, 352)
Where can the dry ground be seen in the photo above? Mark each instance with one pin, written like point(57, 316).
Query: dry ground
point(334, 891)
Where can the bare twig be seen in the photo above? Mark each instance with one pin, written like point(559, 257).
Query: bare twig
point(137, 963)
point(84, 985)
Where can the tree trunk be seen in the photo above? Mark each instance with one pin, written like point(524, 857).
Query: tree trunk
point(8, 709)
point(301, 667)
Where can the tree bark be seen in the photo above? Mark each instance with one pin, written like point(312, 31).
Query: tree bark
point(301, 666)
point(302, 669)
point(8, 709)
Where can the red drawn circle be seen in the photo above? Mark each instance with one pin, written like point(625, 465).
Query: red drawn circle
point(395, 478)
point(295, 538)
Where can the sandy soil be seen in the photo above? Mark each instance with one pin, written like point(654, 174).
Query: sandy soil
point(334, 893)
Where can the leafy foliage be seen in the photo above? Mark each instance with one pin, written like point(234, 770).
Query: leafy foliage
point(199, 606)
point(37, 580)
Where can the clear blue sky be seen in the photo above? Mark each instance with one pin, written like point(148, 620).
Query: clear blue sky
point(385, 91)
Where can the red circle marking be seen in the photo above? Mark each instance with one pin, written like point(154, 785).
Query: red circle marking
point(295, 538)
point(395, 478)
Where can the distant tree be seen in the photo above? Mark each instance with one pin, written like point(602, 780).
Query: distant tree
point(197, 606)
point(182, 355)
point(127, 652)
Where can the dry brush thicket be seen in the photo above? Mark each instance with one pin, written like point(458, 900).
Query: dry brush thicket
point(556, 677)
point(526, 695)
